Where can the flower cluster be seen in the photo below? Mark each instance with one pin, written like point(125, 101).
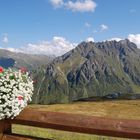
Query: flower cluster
point(16, 89)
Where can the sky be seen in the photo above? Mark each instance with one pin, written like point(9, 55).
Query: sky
point(54, 27)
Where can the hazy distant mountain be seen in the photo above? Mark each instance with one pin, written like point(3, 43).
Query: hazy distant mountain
point(89, 70)
point(11, 59)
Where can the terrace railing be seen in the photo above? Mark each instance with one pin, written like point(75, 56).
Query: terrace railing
point(70, 122)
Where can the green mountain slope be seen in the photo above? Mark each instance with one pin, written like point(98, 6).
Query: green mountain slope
point(18, 60)
point(90, 70)
point(35, 64)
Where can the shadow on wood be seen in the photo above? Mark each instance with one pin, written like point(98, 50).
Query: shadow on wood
point(73, 123)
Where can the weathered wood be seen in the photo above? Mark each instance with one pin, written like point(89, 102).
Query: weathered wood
point(20, 137)
point(80, 123)
point(1, 129)
point(13, 137)
point(5, 127)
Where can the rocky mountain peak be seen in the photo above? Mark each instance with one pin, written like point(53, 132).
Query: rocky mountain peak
point(91, 70)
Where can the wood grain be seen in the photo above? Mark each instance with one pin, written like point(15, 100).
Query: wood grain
point(1, 129)
point(20, 137)
point(80, 123)
point(5, 127)
point(12, 137)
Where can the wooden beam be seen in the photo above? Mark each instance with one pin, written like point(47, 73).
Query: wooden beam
point(20, 137)
point(1, 129)
point(13, 137)
point(7, 126)
point(80, 123)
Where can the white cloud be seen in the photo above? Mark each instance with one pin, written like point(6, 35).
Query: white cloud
point(12, 49)
point(5, 39)
point(132, 10)
point(103, 27)
point(56, 3)
point(78, 5)
point(90, 39)
point(57, 46)
point(81, 5)
point(87, 24)
point(135, 38)
point(115, 38)
point(95, 31)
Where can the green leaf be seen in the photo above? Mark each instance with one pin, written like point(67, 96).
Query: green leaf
point(11, 77)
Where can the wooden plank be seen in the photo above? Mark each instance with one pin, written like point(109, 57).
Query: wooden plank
point(1, 129)
point(19, 137)
point(7, 126)
point(80, 123)
point(12, 137)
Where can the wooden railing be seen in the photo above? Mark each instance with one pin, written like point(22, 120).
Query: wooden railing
point(72, 123)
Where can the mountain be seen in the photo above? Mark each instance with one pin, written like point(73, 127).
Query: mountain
point(91, 70)
point(35, 64)
point(18, 60)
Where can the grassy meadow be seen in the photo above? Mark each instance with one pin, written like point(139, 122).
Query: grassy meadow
point(124, 109)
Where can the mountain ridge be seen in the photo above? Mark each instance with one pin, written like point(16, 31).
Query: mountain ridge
point(108, 69)
point(17, 60)
point(90, 70)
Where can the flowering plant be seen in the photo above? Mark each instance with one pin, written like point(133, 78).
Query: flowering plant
point(16, 89)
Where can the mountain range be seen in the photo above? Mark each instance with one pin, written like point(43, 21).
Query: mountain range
point(91, 70)
point(18, 60)
point(108, 69)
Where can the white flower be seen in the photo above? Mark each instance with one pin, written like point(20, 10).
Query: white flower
point(16, 89)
